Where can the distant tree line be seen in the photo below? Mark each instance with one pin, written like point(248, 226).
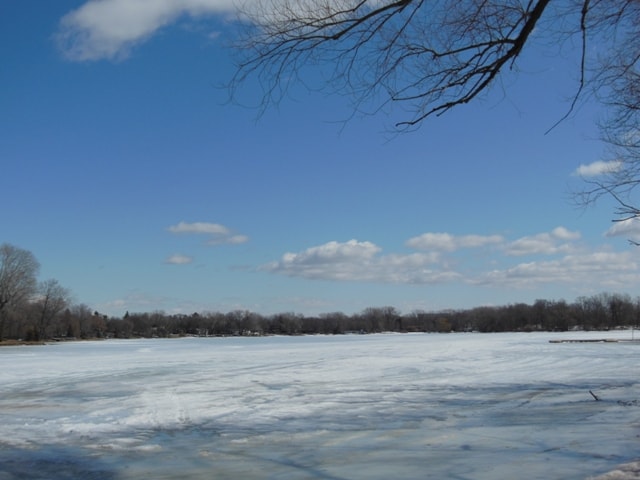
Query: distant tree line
point(604, 311)
point(31, 310)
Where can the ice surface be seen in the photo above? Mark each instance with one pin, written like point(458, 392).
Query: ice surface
point(463, 406)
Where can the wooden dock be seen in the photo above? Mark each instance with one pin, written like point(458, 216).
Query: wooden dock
point(595, 340)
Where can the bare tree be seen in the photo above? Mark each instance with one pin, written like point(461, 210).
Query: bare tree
point(429, 56)
point(18, 270)
point(53, 299)
point(621, 133)
point(83, 315)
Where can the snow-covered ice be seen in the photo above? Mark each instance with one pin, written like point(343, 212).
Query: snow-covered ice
point(402, 406)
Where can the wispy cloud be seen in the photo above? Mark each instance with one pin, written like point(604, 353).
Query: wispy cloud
point(598, 168)
point(218, 234)
point(141, 301)
point(179, 259)
point(557, 241)
point(199, 228)
point(598, 269)
point(110, 29)
point(229, 239)
point(133, 301)
point(448, 243)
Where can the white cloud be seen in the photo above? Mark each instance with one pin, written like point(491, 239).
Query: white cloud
point(562, 233)
point(544, 243)
point(109, 29)
point(597, 268)
point(219, 234)
point(433, 241)
point(199, 227)
point(360, 261)
point(446, 242)
point(179, 259)
point(335, 252)
point(565, 262)
point(237, 239)
point(629, 228)
point(598, 168)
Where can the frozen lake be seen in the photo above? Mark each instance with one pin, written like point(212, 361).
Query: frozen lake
point(457, 406)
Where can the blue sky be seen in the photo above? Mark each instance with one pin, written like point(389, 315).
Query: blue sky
point(140, 187)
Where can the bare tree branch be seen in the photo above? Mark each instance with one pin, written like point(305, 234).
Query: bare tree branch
point(430, 56)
